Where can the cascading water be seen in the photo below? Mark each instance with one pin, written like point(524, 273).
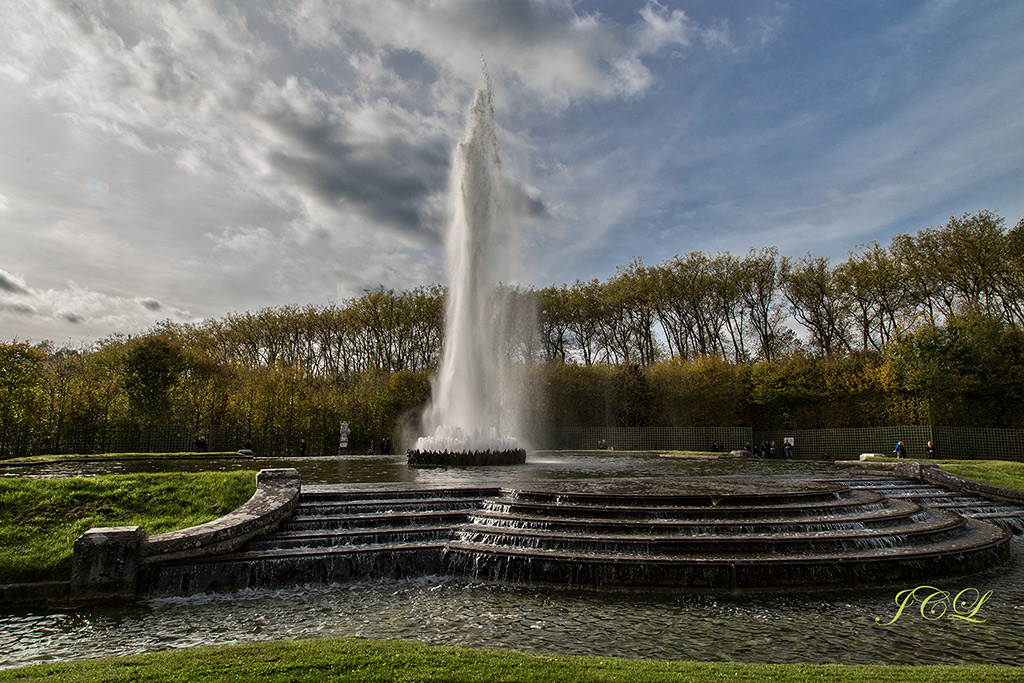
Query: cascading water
point(475, 393)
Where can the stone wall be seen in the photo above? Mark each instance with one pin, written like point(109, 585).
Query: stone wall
point(107, 559)
point(931, 473)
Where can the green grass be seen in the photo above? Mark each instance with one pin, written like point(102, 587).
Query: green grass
point(115, 456)
point(41, 518)
point(1009, 475)
point(367, 661)
point(1005, 473)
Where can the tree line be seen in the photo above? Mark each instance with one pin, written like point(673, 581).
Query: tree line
point(924, 331)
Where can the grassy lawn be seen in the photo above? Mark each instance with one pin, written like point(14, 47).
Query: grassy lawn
point(367, 661)
point(41, 518)
point(116, 456)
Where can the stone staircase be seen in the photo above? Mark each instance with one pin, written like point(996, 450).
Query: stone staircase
point(706, 533)
point(1008, 515)
point(776, 534)
point(335, 534)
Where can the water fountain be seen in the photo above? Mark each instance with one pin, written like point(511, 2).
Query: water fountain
point(474, 409)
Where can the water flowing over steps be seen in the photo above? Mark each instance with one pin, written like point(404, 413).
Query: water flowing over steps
point(778, 534)
point(747, 533)
point(1006, 515)
point(336, 534)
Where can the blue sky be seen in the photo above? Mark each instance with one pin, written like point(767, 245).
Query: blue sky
point(184, 160)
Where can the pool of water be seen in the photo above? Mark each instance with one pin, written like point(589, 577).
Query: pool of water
point(354, 469)
point(840, 627)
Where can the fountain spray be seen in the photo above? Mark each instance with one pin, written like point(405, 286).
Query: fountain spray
point(476, 396)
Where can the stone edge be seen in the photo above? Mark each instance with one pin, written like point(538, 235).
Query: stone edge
point(930, 473)
point(107, 576)
point(276, 496)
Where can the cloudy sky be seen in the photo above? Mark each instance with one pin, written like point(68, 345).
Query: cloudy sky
point(188, 159)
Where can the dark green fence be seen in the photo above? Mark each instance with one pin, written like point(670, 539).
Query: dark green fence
point(653, 438)
point(816, 444)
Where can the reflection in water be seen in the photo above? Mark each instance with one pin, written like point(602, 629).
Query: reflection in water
point(835, 627)
point(364, 469)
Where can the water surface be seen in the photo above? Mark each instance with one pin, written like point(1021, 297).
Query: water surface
point(813, 628)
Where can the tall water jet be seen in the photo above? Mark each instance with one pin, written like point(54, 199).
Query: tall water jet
point(475, 408)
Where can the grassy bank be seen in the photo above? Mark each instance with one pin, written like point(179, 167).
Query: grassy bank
point(366, 661)
point(1005, 473)
point(1009, 475)
point(41, 518)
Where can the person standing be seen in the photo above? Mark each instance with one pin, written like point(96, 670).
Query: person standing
point(931, 450)
point(302, 448)
point(900, 450)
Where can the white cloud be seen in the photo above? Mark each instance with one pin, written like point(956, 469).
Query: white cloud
point(206, 156)
point(83, 313)
point(546, 50)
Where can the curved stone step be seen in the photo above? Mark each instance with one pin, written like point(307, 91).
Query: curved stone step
point(693, 493)
point(384, 506)
point(855, 500)
point(376, 520)
point(935, 527)
point(891, 514)
point(358, 537)
point(980, 546)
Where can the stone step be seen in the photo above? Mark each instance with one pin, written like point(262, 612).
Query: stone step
point(320, 565)
point(857, 500)
point(980, 546)
point(334, 494)
point(723, 493)
point(881, 515)
point(936, 526)
point(378, 520)
point(362, 537)
point(377, 506)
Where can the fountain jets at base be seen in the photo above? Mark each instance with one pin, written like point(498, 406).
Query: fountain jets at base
point(455, 446)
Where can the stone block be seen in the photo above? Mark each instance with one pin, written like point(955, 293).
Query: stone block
point(105, 563)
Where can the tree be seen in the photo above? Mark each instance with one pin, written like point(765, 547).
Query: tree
point(881, 300)
point(760, 285)
point(21, 377)
point(818, 301)
point(586, 313)
point(151, 368)
point(969, 372)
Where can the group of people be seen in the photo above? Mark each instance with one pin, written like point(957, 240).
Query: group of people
point(901, 450)
point(385, 446)
point(767, 449)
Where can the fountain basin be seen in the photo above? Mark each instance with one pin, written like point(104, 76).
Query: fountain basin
point(749, 534)
point(702, 533)
point(515, 456)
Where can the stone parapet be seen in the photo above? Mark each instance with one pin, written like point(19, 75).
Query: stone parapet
point(107, 559)
point(930, 473)
point(277, 494)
